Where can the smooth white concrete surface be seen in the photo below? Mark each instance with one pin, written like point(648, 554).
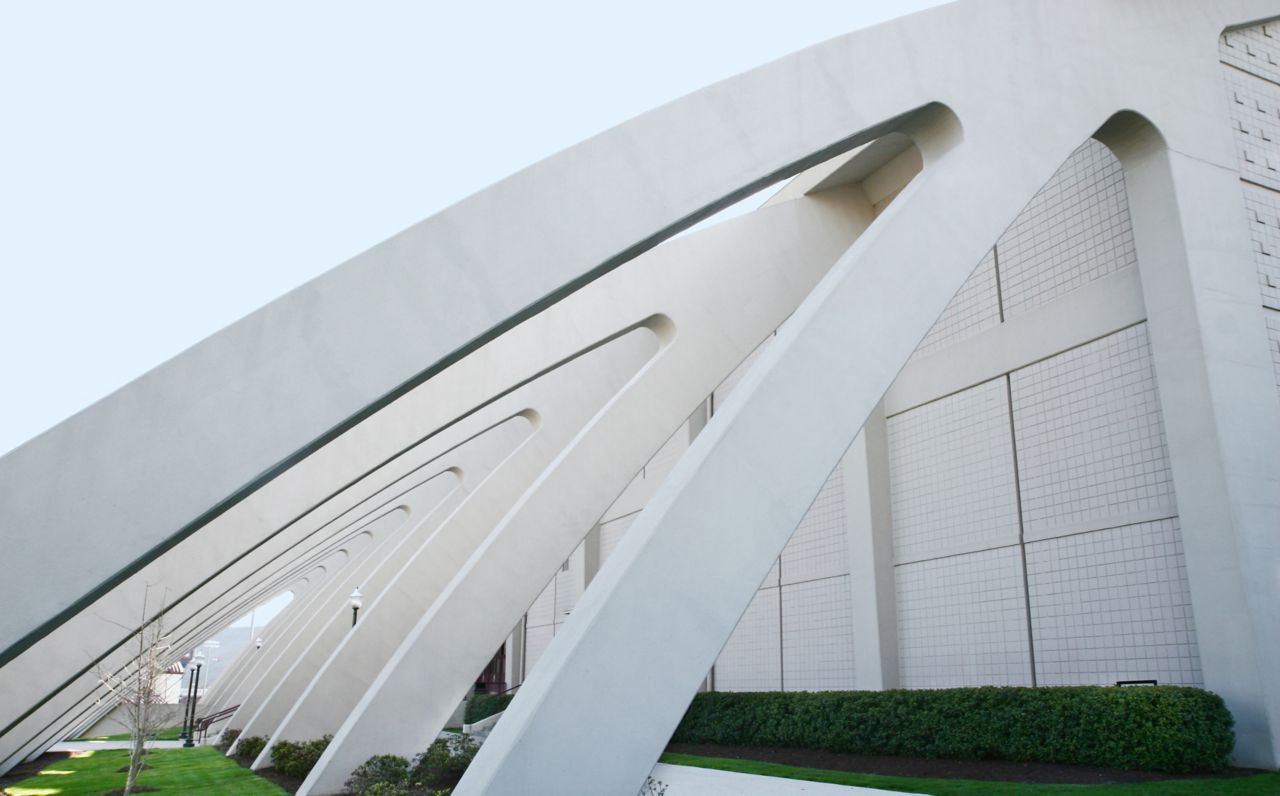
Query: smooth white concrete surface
point(564, 402)
point(681, 780)
point(1210, 347)
point(94, 746)
point(261, 713)
point(172, 447)
point(871, 556)
point(754, 270)
point(283, 652)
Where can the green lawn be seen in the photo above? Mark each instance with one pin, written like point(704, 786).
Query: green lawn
point(167, 734)
point(171, 771)
point(1268, 784)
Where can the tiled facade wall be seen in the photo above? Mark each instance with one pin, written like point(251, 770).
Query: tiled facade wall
point(951, 475)
point(817, 635)
point(1273, 331)
point(1113, 605)
point(752, 658)
point(962, 621)
point(810, 630)
point(1091, 446)
point(1074, 231)
point(1091, 495)
point(1035, 530)
point(1255, 50)
point(611, 533)
point(550, 610)
point(975, 308)
point(1264, 229)
point(1251, 68)
point(1253, 108)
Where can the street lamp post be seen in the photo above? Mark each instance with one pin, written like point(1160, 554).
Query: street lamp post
point(186, 707)
point(198, 660)
point(357, 601)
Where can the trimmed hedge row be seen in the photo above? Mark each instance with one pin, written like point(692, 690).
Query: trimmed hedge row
point(1159, 728)
point(296, 759)
point(251, 747)
point(225, 740)
point(436, 771)
point(482, 706)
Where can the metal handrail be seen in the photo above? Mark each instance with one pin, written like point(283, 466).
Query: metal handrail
point(203, 724)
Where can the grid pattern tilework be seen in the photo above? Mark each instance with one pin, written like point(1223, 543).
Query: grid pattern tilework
point(951, 474)
point(1255, 49)
point(1113, 605)
point(817, 636)
point(611, 533)
point(543, 610)
point(1263, 208)
point(819, 547)
point(750, 660)
point(536, 641)
point(974, 308)
point(1254, 108)
point(962, 621)
point(1273, 332)
point(568, 586)
point(1075, 230)
point(1091, 442)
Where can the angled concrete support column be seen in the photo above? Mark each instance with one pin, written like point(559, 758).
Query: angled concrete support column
point(473, 462)
point(755, 469)
point(395, 522)
point(722, 290)
point(564, 400)
point(870, 530)
point(1210, 348)
point(252, 661)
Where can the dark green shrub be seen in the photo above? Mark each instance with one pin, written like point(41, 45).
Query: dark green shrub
point(225, 740)
point(296, 759)
point(482, 706)
point(251, 747)
point(1160, 728)
point(444, 762)
point(380, 774)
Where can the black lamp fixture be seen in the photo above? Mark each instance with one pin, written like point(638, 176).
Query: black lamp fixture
point(198, 660)
point(357, 602)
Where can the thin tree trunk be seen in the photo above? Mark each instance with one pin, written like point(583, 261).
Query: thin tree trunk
point(135, 764)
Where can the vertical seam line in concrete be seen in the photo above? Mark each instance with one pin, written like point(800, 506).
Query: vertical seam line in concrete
point(782, 666)
point(1022, 540)
point(995, 261)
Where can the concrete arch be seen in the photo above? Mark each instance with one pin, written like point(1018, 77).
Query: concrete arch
point(400, 356)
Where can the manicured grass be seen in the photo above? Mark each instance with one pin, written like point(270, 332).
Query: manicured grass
point(167, 734)
point(170, 771)
point(1260, 785)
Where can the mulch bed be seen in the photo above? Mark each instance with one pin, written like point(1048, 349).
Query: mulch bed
point(991, 770)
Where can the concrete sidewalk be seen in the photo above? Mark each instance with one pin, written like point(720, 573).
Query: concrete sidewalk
point(86, 746)
point(669, 780)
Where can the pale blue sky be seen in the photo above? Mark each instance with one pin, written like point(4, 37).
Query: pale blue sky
point(166, 168)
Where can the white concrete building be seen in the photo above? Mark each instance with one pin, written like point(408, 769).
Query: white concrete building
point(811, 447)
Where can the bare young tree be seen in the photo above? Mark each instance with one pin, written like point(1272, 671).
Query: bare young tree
point(134, 687)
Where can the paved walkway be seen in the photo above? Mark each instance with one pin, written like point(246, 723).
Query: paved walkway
point(86, 746)
point(690, 781)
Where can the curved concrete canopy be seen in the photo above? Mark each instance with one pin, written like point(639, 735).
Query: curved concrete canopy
point(307, 409)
